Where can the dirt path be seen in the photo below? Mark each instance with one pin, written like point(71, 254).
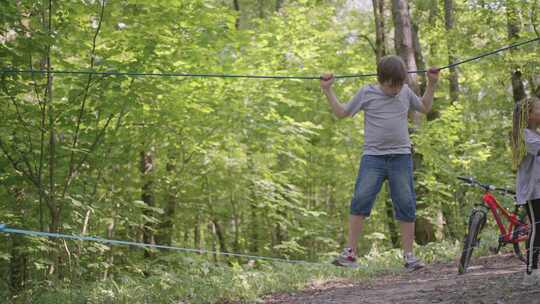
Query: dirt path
point(493, 280)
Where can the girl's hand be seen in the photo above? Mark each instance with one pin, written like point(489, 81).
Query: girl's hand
point(326, 81)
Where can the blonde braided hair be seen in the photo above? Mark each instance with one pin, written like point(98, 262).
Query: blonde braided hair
point(519, 123)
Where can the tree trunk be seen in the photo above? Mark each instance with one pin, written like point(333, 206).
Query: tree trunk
point(450, 211)
point(236, 225)
point(19, 257)
point(54, 210)
point(404, 38)
point(404, 45)
point(147, 196)
point(212, 229)
point(512, 19)
point(380, 38)
point(197, 232)
point(236, 5)
point(254, 221)
point(279, 4)
point(260, 6)
point(419, 58)
point(17, 265)
point(449, 25)
point(279, 234)
point(254, 244)
point(220, 235)
point(110, 254)
point(164, 236)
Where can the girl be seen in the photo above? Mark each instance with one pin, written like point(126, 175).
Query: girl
point(526, 160)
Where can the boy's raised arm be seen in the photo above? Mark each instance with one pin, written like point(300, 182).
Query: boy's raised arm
point(427, 99)
point(326, 84)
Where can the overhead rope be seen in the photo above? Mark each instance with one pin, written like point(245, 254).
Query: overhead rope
point(172, 74)
point(5, 229)
point(511, 46)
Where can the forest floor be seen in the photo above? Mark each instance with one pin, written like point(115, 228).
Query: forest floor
point(493, 279)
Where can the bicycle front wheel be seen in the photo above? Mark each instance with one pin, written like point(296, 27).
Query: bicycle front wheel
point(476, 223)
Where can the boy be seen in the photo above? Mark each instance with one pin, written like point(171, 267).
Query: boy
point(387, 150)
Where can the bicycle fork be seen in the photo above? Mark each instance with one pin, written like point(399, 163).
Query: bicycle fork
point(483, 211)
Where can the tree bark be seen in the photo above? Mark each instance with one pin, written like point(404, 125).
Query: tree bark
point(254, 223)
point(17, 265)
point(404, 38)
point(236, 223)
point(419, 58)
point(19, 257)
point(164, 235)
point(512, 19)
point(449, 26)
point(404, 45)
point(380, 37)
point(220, 235)
point(110, 254)
point(279, 4)
point(450, 211)
point(197, 232)
point(147, 196)
point(260, 6)
point(236, 5)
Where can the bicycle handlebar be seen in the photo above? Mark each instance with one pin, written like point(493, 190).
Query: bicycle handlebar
point(487, 187)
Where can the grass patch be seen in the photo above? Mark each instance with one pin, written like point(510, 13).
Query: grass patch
point(178, 278)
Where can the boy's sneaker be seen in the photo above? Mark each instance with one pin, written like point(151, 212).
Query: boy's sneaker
point(532, 279)
point(346, 259)
point(412, 263)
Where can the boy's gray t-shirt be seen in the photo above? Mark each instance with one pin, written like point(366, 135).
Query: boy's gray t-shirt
point(528, 175)
point(385, 119)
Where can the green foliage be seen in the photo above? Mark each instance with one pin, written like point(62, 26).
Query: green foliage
point(177, 278)
point(238, 165)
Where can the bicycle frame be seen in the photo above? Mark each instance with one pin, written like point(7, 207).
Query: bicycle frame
point(497, 210)
point(515, 232)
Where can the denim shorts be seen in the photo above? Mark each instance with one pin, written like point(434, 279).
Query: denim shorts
point(374, 169)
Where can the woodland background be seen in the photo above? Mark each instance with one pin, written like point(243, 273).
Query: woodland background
point(254, 166)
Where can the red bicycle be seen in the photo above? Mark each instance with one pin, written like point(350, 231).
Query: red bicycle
point(516, 233)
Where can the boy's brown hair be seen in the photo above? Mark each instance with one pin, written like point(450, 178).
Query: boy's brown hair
point(391, 69)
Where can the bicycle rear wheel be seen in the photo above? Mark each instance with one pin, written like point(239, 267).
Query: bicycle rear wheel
point(520, 231)
point(476, 223)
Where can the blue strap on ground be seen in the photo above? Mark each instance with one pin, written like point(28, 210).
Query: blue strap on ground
point(5, 229)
